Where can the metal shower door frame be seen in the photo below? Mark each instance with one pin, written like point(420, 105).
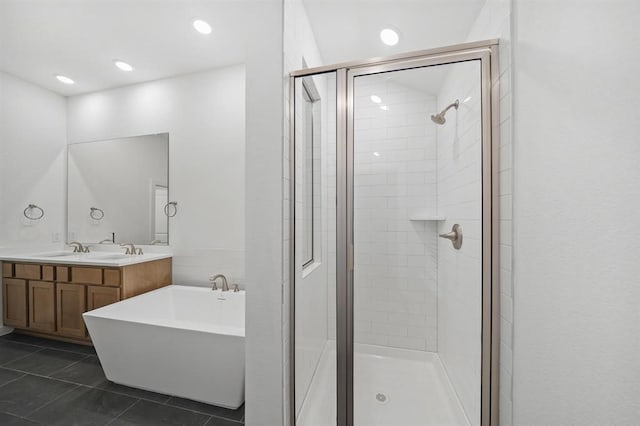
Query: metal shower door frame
point(487, 53)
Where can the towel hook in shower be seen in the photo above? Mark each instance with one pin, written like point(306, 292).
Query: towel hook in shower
point(30, 208)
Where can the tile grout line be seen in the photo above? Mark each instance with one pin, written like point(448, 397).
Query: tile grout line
point(19, 358)
point(27, 373)
point(123, 411)
point(12, 380)
point(202, 412)
point(22, 418)
point(70, 365)
point(44, 347)
point(50, 402)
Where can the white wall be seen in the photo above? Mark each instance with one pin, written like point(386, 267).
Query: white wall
point(204, 114)
point(576, 203)
point(119, 177)
point(460, 201)
point(32, 162)
point(266, 210)
point(395, 287)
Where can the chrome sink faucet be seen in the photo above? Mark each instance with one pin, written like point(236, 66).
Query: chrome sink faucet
point(78, 247)
point(131, 249)
point(225, 285)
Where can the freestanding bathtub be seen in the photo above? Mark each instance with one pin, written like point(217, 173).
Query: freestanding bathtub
point(177, 340)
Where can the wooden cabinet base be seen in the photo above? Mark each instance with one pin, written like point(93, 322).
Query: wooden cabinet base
point(48, 300)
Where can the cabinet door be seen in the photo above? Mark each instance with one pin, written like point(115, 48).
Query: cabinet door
point(71, 303)
point(15, 303)
point(98, 297)
point(42, 314)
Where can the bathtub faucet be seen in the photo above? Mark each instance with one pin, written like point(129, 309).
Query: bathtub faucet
point(225, 285)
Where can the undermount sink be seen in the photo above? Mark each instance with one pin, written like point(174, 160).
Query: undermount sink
point(58, 254)
point(108, 256)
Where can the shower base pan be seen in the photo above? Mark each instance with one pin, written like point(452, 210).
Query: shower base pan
point(391, 387)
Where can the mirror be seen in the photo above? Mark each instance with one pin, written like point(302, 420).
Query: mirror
point(118, 190)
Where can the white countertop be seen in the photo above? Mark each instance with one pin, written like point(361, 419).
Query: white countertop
point(99, 258)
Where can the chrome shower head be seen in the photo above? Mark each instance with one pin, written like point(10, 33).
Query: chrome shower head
point(439, 118)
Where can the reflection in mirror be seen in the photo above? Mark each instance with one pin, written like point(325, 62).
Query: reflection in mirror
point(127, 182)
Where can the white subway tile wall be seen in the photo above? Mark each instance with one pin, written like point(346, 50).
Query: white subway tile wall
point(395, 287)
point(460, 200)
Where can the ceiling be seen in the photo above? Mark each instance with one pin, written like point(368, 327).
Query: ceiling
point(349, 30)
point(81, 38)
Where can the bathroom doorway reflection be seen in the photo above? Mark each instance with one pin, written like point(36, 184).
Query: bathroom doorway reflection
point(407, 307)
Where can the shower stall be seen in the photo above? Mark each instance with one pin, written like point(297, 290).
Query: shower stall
point(394, 298)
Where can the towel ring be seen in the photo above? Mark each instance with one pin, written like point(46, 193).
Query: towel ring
point(96, 213)
point(31, 207)
point(175, 208)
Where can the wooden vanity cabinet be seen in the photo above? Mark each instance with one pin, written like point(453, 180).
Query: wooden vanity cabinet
point(49, 300)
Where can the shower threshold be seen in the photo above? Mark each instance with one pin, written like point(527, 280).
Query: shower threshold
point(392, 387)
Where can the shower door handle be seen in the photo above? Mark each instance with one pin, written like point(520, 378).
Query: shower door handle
point(455, 236)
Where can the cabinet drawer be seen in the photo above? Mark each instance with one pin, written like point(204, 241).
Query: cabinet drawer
point(48, 273)
point(62, 274)
point(27, 272)
point(15, 303)
point(7, 270)
point(86, 275)
point(112, 277)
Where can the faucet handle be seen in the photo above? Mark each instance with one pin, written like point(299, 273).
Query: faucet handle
point(139, 251)
point(235, 288)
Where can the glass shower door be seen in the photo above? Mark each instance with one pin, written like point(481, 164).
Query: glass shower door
point(417, 297)
point(393, 243)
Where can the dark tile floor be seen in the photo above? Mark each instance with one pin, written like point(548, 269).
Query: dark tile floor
point(46, 382)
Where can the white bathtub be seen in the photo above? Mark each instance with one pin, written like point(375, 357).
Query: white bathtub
point(177, 340)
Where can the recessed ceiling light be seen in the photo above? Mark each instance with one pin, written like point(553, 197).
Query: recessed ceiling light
point(377, 154)
point(201, 26)
point(64, 79)
point(375, 99)
point(384, 107)
point(389, 37)
point(122, 65)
